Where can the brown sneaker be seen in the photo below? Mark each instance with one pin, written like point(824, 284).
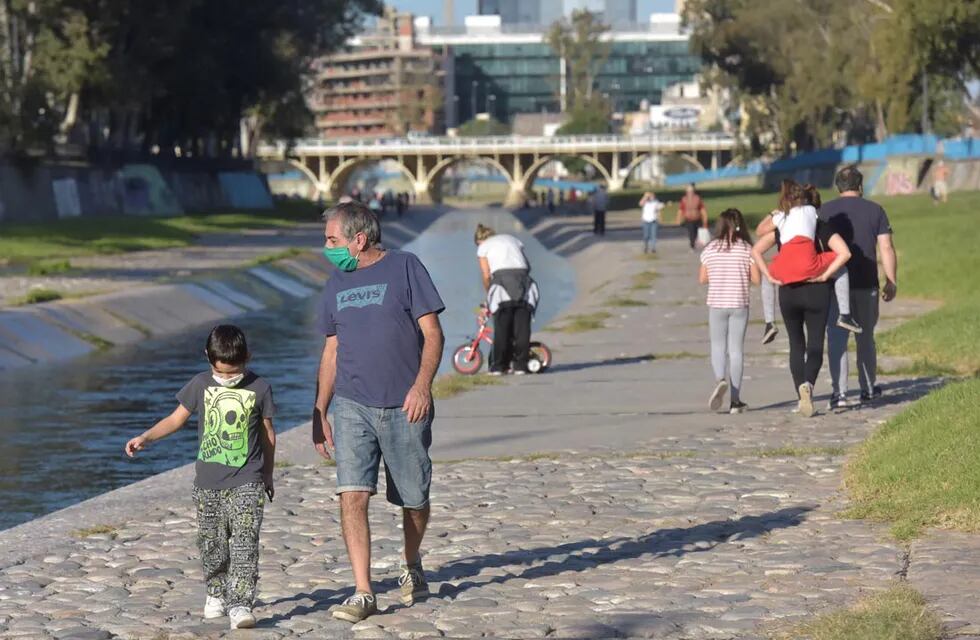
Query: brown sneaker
point(412, 584)
point(356, 608)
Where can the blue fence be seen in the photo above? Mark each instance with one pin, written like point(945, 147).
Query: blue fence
point(900, 145)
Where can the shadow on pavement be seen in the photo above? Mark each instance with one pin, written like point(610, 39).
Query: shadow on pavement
point(587, 554)
point(580, 555)
point(609, 362)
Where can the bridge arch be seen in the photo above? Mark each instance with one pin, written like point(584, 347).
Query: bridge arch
point(531, 173)
point(318, 186)
point(433, 178)
point(342, 173)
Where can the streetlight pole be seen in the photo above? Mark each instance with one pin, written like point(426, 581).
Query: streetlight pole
point(491, 104)
point(473, 98)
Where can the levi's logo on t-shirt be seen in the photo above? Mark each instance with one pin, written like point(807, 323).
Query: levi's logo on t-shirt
point(361, 296)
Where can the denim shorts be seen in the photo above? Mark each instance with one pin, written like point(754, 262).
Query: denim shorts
point(363, 436)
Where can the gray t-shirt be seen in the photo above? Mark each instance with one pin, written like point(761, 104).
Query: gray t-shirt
point(374, 313)
point(228, 423)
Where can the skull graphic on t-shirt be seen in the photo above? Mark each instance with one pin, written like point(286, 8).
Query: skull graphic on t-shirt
point(227, 413)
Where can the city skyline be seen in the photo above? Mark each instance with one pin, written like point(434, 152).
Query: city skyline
point(434, 8)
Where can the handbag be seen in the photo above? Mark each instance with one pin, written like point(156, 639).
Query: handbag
point(704, 237)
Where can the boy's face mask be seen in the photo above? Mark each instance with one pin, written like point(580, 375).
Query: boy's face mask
point(228, 382)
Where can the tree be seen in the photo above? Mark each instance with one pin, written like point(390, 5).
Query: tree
point(808, 71)
point(580, 45)
point(483, 127)
point(205, 75)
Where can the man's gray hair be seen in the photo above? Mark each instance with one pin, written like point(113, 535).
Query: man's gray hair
point(355, 218)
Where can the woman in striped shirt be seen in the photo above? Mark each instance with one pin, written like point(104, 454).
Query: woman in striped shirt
point(727, 268)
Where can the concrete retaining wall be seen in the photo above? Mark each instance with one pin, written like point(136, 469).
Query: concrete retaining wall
point(54, 331)
point(40, 192)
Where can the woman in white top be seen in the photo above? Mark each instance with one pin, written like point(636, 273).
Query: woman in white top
point(511, 297)
point(651, 208)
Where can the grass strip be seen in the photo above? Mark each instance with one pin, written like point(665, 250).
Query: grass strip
point(452, 384)
point(581, 323)
point(920, 468)
point(53, 243)
point(900, 613)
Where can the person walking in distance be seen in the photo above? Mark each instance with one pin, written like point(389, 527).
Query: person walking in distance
point(940, 188)
point(865, 228)
point(727, 269)
point(600, 202)
point(692, 213)
point(379, 314)
point(512, 297)
point(650, 209)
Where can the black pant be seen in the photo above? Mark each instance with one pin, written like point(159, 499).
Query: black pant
point(599, 223)
point(511, 337)
point(692, 227)
point(804, 308)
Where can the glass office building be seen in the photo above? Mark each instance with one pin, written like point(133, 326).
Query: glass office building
point(505, 71)
point(547, 11)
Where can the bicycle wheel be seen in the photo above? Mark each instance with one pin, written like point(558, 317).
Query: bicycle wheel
point(541, 353)
point(467, 360)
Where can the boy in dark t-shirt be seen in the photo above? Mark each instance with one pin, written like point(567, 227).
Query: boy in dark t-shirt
point(235, 458)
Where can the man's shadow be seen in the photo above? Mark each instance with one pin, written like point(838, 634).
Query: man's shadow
point(572, 557)
point(609, 362)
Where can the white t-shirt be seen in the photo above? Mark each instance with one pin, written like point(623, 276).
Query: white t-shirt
point(800, 221)
point(502, 252)
point(651, 210)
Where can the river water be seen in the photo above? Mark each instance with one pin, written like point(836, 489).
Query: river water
point(63, 427)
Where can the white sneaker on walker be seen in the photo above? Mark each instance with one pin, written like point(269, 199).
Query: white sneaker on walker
point(241, 618)
point(213, 608)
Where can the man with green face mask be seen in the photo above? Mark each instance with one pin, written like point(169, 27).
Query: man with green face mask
point(383, 343)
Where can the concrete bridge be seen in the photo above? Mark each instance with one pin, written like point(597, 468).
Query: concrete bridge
point(330, 163)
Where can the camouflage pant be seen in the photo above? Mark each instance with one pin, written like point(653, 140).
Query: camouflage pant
point(228, 523)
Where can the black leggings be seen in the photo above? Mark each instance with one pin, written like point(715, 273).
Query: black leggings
point(511, 337)
point(692, 231)
point(804, 308)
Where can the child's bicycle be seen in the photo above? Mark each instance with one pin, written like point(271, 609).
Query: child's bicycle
point(468, 359)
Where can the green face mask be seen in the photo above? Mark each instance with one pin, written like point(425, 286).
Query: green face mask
point(341, 258)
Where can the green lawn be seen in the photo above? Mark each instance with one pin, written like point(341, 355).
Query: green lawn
point(899, 613)
point(920, 468)
point(30, 244)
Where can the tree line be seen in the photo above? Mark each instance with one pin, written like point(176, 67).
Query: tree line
point(811, 73)
point(143, 76)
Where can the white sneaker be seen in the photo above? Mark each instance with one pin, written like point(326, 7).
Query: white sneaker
point(806, 400)
point(213, 608)
point(241, 618)
point(718, 395)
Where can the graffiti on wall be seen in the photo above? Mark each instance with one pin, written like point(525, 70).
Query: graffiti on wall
point(146, 193)
point(902, 176)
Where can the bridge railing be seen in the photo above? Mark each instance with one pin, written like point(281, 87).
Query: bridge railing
point(503, 143)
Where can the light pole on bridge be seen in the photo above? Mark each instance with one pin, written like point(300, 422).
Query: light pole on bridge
point(473, 98)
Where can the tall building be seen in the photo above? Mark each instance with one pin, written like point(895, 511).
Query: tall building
point(383, 83)
point(544, 12)
point(504, 71)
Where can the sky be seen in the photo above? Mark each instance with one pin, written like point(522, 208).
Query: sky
point(468, 7)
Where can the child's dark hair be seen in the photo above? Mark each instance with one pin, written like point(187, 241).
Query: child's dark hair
point(812, 196)
point(226, 343)
point(731, 226)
